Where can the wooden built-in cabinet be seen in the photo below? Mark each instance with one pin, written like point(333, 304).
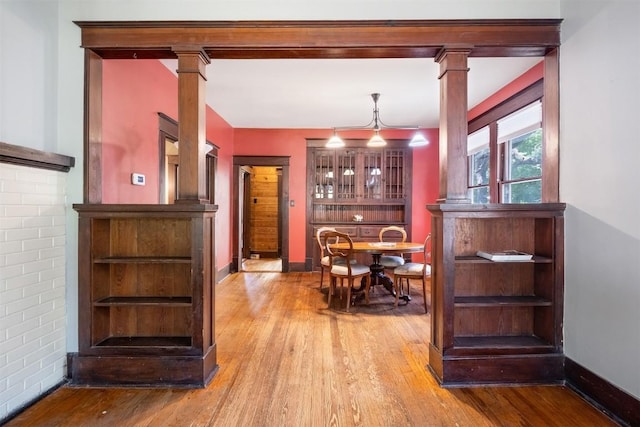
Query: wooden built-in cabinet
point(497, 322)
point(374, 183)
point(146, 295)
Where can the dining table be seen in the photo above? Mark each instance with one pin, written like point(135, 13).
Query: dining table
point(376, 250)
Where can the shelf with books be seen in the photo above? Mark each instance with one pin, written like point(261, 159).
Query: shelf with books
point(507, 308)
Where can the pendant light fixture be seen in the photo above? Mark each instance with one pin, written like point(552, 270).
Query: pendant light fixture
point(376, 124)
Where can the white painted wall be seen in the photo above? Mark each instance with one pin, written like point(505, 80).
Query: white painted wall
point(32, 284)
point(28, 74)
point(599, 177)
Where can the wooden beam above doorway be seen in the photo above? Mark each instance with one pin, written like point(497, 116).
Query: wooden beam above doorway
point(321, 39)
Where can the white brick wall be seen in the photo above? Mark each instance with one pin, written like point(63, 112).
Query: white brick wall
point(32, 284)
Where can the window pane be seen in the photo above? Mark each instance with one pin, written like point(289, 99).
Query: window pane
point(522, 192)
point(479, 168)
point(480, 195)
point(525, 156)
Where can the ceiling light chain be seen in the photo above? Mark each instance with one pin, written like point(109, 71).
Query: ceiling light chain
point(376, 124)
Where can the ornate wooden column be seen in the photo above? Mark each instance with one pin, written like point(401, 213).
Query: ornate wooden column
point(453, 124)
point(192, 62)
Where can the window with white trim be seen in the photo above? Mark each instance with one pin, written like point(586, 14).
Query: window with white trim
point(520, 150)
point(504, 149)
point(478, 159)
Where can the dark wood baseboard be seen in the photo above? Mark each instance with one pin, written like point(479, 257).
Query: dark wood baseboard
point(11, 415)
point(222, 273)
point(614, 402)
point(297, 267)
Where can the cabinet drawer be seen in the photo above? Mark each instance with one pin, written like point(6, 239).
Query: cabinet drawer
point(370, 232)
point(351, 231)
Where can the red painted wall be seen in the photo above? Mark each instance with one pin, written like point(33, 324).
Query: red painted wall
point(425, 185)
point(292, 142)
point(529, 77)
point(134, 91)
point(220, 133)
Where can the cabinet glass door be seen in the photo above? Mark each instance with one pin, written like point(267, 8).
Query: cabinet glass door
point(372, 171)
point(346, 176)
point(324, 175)
point(394, 174)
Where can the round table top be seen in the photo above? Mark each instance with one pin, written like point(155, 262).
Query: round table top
point(381, 247)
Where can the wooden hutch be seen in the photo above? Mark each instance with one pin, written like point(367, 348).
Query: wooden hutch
point(374, 183)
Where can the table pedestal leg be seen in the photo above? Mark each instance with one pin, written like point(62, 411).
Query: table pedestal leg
point(378, 277)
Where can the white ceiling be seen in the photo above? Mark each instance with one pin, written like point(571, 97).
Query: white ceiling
point(326, 93)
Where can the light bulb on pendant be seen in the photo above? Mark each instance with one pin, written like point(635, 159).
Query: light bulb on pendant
point(418, 140)
point(376, 141)
point(335, 141)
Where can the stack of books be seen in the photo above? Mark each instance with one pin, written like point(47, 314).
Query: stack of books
point(505, 256)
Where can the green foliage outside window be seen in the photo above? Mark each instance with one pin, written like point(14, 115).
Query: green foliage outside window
point(525, 167)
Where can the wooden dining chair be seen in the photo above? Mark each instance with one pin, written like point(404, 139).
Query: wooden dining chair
point(347, 270)
point(389, 262)
point(414, 270)
point(324, 258)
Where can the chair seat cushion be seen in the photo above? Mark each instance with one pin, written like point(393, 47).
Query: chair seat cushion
point(413, 269)
point(391, 261)
point(356, 269)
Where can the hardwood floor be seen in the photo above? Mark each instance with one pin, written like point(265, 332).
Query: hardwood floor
point(287, 360)
point(262, 265)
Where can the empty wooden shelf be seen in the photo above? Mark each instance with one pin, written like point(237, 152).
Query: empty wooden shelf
point(146, 297)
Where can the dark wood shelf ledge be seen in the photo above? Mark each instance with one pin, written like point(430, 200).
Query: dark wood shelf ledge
point(142, 260)
point(155, 341)
point(520, 342)
point(140, 300)
point(23, 156)
point(479, 260)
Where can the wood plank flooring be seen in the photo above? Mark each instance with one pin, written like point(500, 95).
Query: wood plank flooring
point(287, 360)
point(262, 265)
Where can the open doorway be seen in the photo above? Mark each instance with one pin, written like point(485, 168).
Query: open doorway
point(168, 154)
point(261, 215)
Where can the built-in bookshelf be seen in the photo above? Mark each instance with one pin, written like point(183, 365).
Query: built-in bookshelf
point(497, 322)
point(145, 295)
